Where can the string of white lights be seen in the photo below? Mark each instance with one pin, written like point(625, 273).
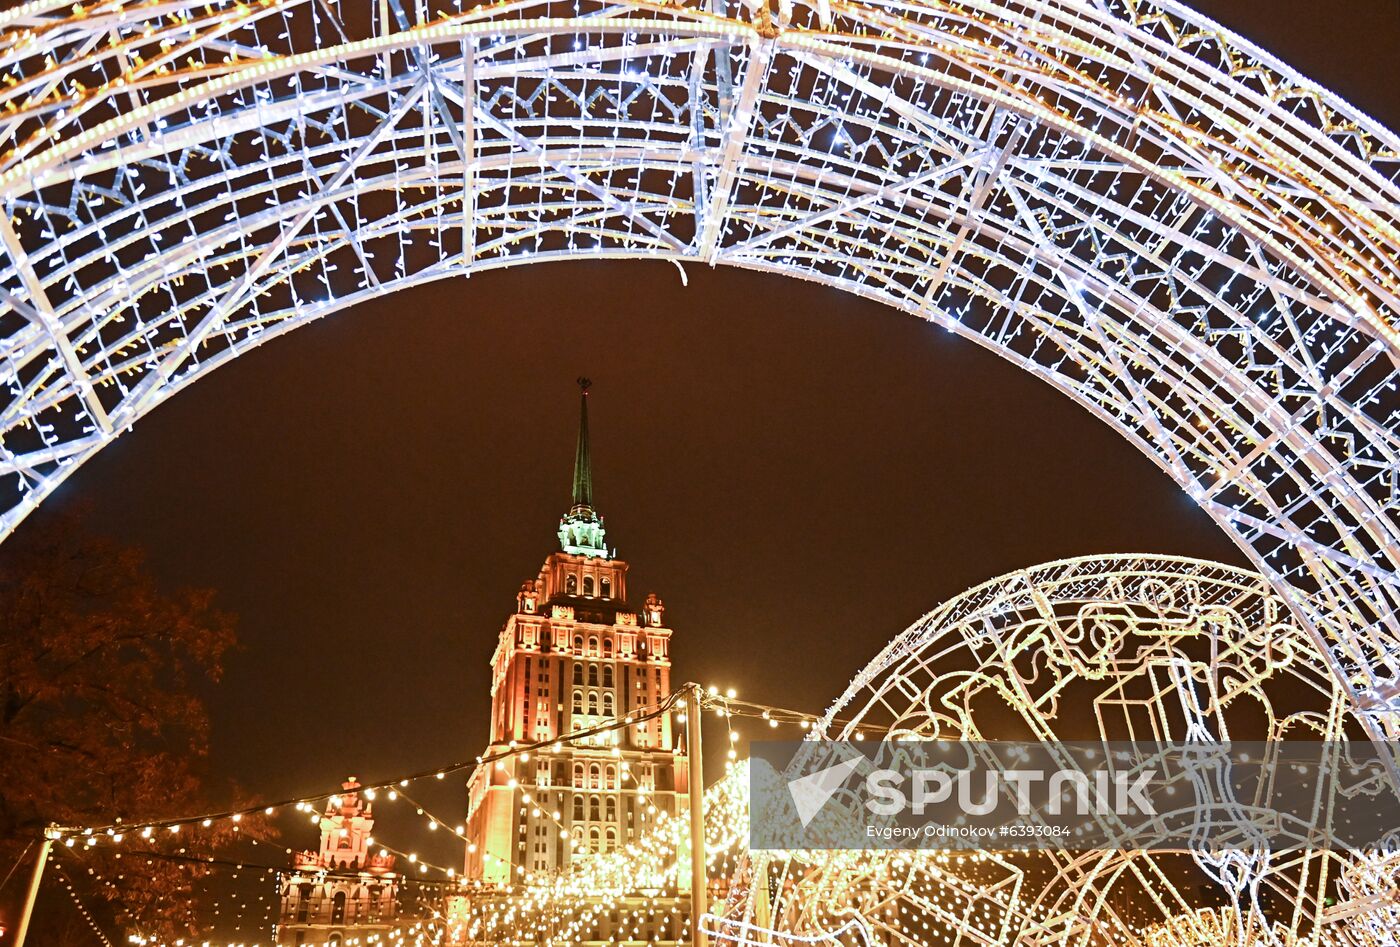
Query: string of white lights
point(117, 831)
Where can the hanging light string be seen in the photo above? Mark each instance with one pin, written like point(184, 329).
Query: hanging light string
point(726, 702)
point(726, 705)
point(530, 797)
point(277, 869)
point(459, 831)
point(77, 901)
point(562, 907)
point(736, 707)
point(597, 873)
point(266, 910)
point(529, 793)
point(117, 830)
point(596, 881)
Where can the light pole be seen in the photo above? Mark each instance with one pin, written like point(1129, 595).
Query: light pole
point(51, 834)
point(698, 894)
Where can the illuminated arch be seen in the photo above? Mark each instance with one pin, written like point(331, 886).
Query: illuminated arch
point(1146, 212)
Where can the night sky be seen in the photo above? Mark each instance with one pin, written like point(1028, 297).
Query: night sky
point(799, 474)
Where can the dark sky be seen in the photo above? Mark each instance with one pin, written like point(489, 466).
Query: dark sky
point(798, 473)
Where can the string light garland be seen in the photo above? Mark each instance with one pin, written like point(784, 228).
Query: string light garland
point(594, 875)
point(77, 901)
point(116, 832)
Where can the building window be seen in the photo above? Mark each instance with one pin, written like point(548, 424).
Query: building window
point(608, 676)
point(611, 772)
point(578, 775)
point(578, 642)
point(588, 586)
point(338, 908)
point(609, 709)
point(571, 585)
point(593, 702)
point(594, 777)
point(578, 702)
point(593, 646)
point(578, 808)
point(593, 675)
point(606, 587)
point(607, 647)
point(578, 673)
point(595, 808)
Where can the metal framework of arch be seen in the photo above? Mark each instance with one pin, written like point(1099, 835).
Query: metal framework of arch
point(1159, 220)
point(1098, 648)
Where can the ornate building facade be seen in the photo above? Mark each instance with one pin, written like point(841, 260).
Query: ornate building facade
point(345, 891)
point(574, 656)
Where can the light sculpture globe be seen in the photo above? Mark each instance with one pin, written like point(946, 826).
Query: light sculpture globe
point(1116, 648)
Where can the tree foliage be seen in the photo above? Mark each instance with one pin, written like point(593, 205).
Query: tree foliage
point(101, 715)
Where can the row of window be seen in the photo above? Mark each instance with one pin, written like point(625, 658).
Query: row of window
point(604, 586)
point(311, 904)
point(594, 812)
point(596, 841)
point(603, 649)
point(593, 674)
point(609, 707)
point(596, 776)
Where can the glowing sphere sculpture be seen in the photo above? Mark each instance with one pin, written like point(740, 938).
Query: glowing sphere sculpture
point(1099, 648)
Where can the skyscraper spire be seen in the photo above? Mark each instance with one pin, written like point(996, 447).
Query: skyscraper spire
point(583, 466)
point(581, 532)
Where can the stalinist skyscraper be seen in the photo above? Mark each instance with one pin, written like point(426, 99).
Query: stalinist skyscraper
point(575, 654)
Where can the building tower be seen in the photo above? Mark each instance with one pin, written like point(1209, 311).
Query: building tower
point(573, 655)
point(345, 890)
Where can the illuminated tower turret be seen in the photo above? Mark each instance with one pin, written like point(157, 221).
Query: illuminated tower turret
point(346, 889)
point(574, 654)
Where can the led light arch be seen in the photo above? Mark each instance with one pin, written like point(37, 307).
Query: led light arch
point(1159, 220)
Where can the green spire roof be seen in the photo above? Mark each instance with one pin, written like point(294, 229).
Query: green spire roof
point(581, 532)
point(583, 466)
